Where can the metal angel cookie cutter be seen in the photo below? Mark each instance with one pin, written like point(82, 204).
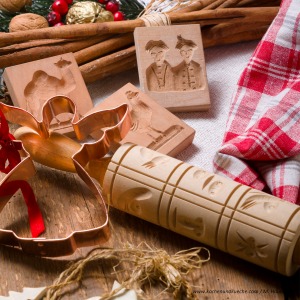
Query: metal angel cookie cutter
point(111, 127)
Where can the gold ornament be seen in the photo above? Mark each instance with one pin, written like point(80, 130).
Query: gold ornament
point(13, 5)
point(88, 12)
point(27, 21)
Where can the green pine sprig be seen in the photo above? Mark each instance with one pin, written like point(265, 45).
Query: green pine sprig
point(5, 19)
point(131, 8)
point(40, 7)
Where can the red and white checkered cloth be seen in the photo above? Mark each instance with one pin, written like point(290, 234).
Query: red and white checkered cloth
point(261, 147)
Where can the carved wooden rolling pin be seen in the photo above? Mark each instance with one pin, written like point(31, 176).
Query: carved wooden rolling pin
point(214, 210)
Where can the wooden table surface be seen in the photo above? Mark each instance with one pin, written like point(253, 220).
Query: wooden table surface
point(67, 205)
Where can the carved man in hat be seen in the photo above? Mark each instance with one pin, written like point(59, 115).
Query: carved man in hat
point(159, 74)
point(188, 72)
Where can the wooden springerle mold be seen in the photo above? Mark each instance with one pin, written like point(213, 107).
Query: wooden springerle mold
point(153, 126)
point(31, 84)
point(172, 67)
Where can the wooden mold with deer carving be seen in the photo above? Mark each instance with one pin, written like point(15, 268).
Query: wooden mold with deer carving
point(31, 84)
point(171, 66)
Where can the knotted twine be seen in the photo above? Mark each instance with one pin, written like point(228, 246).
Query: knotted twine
point(157, 19)
point(155, 13)
point(162, 6)
point(147, 264)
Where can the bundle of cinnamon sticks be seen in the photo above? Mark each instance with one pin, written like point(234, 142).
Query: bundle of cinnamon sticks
point(105, 49)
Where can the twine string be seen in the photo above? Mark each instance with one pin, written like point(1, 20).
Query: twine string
point(157, 19)
point(159, 6)
point(148, 264)
point(155, 14)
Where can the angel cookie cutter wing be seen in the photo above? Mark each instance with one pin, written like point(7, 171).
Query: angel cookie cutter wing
point(110, 126)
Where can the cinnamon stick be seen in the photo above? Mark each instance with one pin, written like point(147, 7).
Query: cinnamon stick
point(255, 3)
point(36, 53)
point(233, 15)
point(113, 69)
point(71, 31)
point(30, 44)
point(48, 42)
point(214, 5)
point(224, 30)
point(108, 65)
point(99, 49)
point(229, 3)
point(256, 34)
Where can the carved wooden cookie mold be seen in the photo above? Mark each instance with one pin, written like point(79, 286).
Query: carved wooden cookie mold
point(31, 84)
point(172, 67)
point(152, 125)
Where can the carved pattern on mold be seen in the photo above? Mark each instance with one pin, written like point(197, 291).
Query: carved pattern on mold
point(141, 115)
point(44, 86)
point(162, 77)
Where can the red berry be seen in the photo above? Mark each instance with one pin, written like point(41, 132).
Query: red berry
point(60, 6)
point(59, 24)
point(119, 16)
point(69, 1)
point(112, 6)
point(53, 18)
point(103, 1)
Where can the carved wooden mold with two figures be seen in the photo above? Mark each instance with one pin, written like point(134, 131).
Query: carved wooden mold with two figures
point(172, 66)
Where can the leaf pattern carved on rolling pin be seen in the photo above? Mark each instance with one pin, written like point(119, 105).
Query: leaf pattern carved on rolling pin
point(269, 203)
point(249, 247)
